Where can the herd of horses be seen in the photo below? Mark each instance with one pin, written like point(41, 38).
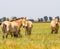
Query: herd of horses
point(13, 27)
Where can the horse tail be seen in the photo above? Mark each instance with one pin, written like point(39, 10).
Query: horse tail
point(4, 27)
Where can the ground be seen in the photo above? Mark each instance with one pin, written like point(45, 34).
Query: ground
point(41, 38)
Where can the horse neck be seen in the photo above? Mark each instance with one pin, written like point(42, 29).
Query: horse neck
point(19, 22)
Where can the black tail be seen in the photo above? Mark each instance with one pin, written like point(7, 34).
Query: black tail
point(4, 28)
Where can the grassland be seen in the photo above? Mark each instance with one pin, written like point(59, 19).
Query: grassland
point(41, 38)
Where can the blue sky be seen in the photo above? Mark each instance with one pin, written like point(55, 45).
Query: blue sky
point(29, 8)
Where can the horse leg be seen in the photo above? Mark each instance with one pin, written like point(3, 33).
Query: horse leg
point(19, 34)
point(6, 35)
point(11, 34)
point(3, 30)
point(3, 35)
point(29, 31)
point(15, 34)
point(52, 31)
point(26, 31)
point(56, 31)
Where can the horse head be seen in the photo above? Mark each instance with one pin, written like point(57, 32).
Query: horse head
point(56, 20)
point(24, 22)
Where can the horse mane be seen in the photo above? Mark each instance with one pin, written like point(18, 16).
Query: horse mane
point(14, 19)
point(17, 19)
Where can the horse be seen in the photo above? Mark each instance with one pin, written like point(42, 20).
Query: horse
point(54, 26)
point(11, 27)
point(27, 25)
point(15, 27)
point(5, 27)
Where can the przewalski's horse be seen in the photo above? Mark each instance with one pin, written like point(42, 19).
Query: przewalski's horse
point(5, 27)
point(54, 25)
point(12, 27)
point(28, 26)
point(15, 27)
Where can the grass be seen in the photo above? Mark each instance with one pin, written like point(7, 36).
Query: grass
point(41, 38)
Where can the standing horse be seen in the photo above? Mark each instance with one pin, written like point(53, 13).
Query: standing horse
point(15, 27)
point(28, 26)
point(5, 27)
point(54, 26)
point(12, 28)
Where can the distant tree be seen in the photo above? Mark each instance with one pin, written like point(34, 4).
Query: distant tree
point(41, 19)
point(31, 20)
point(7, 19)
point(50, 18)
point(14, 17)
point(4, 19)
point(45, 18)
point(0, 20)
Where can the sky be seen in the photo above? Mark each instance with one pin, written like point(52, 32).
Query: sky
point(29, 8)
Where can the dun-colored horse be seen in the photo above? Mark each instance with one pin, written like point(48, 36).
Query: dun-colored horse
point(5, 27)
point(28, 26)
point(15, 27)
point(12, 28)
point(54, 26)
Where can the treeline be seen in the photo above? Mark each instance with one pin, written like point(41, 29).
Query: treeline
point(7, 19)
point(44, 19)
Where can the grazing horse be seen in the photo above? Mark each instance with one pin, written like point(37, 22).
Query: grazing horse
point(11, 27)
point(54, 26)
point(28, 26)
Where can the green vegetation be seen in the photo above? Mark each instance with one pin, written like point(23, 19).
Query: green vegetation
point(41, 38)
